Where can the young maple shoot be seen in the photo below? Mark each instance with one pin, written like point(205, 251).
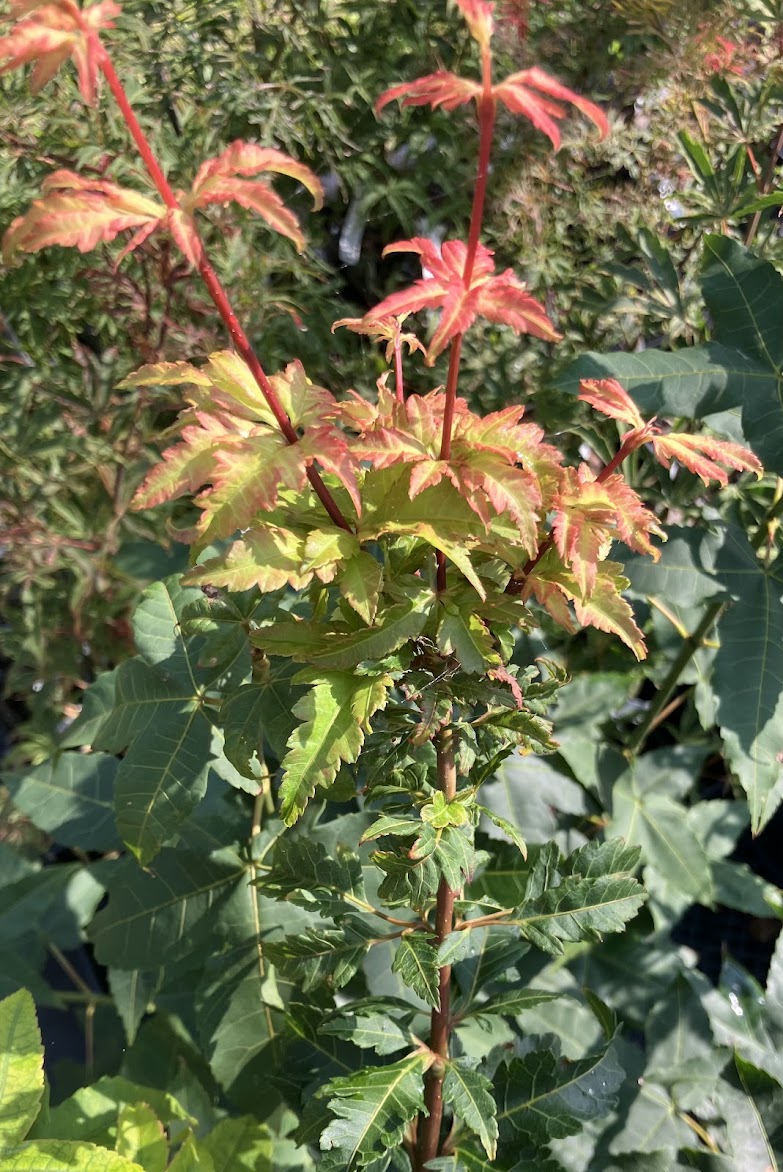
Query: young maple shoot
point(378, 558)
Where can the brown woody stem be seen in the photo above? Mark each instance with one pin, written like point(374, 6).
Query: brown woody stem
point(212, 283)
point(430, 1124)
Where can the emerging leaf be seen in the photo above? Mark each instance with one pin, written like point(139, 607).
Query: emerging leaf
point(608, 397)
point(590, 514)
point(498, 297)
point(49, 32)
point(437, 89)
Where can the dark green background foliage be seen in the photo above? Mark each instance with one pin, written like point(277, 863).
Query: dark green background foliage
point(220, 987)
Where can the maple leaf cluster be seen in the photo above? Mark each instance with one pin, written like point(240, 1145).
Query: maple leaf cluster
point(551, 525)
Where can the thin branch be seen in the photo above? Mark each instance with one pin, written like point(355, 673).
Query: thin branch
point(212, 282)
point(689, 648)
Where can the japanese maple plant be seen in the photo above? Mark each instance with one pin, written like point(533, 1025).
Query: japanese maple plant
point(346, 634)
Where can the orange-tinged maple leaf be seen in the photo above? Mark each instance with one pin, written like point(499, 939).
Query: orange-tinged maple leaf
point(703, 454)
point(610, 398)
point(46, 34)
point(382, 329)
point(268, 557)
point(186, 467)
point(80, 212)
point(554, 585)
point(590, 514)
point(225, 179)
point(498, 297)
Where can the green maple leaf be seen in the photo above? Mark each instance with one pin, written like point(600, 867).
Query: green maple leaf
point(335, 715)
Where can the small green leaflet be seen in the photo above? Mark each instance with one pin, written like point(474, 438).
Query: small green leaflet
point(372, 1109)
point(463, 634)
point(323, 955)
point(303, 872)
point(335, 715)
point(469, 1093)
point(416, 960)
point(510, 1004)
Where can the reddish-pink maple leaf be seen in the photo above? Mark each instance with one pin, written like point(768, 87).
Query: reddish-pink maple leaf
point(702, 454)
point(531, 92)
point(225, 179)
point(498, 297)
point(83, 213)
point(47, 34)
point(478, 14)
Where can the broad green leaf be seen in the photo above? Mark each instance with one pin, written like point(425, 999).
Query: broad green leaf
point(152, 918)
point(748, 673)
point(659, 826)
point(140, 1137)
point(64, 1156)
point(133, 990)
point(540, 1097)
point(321, 955)
point(372, 1109)
point(685, 573)
point(652, 1124)
point(238, 1144)
point(469, 1094)
point(361, 582)
point(416, 960)
point(751, 1102)
point(239, 1010)
point(190, 1159)
point(21, 1067)
point(163, 775)
point(91, 1113)
point(97, 703)
point(744, 296)
point(71, 797)
point(774, 993)
point(335, 714)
